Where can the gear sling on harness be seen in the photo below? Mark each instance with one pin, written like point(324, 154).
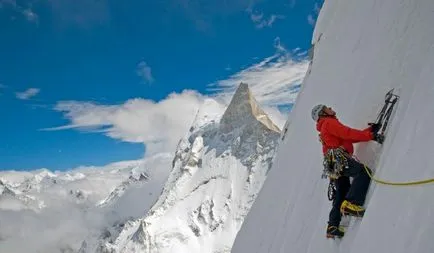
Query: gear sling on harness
point(335, 161)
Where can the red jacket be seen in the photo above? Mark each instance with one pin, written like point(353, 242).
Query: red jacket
point(334, 134)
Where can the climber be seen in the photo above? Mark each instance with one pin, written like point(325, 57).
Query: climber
point(337, 141)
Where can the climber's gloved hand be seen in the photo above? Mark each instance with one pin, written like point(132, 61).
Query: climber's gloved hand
point(378, 138)
point(375, 127)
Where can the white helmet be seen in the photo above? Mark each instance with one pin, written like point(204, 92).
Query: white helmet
point(316, 111)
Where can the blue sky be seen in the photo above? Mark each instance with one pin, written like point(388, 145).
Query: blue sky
point(75, 74)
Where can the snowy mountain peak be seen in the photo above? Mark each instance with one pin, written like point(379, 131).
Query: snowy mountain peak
point(244, 108)
point(43, 174)
point(218, 169)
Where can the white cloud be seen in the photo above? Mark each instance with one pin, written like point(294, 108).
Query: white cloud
point(66, 222)
point(260, 20)
point(280, 48)
point(30, 15)
point(311, 20)
point(316, 8)
point(274, 81)
point(145, 72)
point(27, 94)
point(63, 227)
point(256, 18)
point(159, 125)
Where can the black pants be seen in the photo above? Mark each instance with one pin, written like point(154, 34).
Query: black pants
point(361, 180)
point(342, 187)
point(354, 193)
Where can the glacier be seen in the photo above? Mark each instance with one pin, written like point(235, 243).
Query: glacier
point(361, 49)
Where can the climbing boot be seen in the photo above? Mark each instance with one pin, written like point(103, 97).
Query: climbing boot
point(347, 208)
point(334, 231)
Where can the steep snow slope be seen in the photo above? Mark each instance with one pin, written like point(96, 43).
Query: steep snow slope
point(362, 49)
point(218, 169)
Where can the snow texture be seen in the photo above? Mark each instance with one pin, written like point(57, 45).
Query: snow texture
point(362, 50)
point(219, 168)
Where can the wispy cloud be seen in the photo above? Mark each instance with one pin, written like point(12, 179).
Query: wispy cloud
point(260, 20)
point(159, 125)
point(28, 13)
point(67, 221)
point(27, 94)
point(311, 20)
point(274, 81)
point(145, 72)
point(82, 13)
point(316, 8)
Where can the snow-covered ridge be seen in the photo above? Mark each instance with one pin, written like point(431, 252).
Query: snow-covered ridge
point(31, 189)
point(362, 50)
point(87, 203)
point(218, 169)
point(134, 178)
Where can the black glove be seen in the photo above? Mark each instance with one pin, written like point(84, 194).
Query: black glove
point(378, 138)
point(375, 127)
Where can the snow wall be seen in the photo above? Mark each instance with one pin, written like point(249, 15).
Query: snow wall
point(362, 50)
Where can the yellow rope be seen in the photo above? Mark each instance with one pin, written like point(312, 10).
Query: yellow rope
point(431, 180)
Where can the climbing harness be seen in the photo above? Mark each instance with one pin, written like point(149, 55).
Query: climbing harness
point(335, 161)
